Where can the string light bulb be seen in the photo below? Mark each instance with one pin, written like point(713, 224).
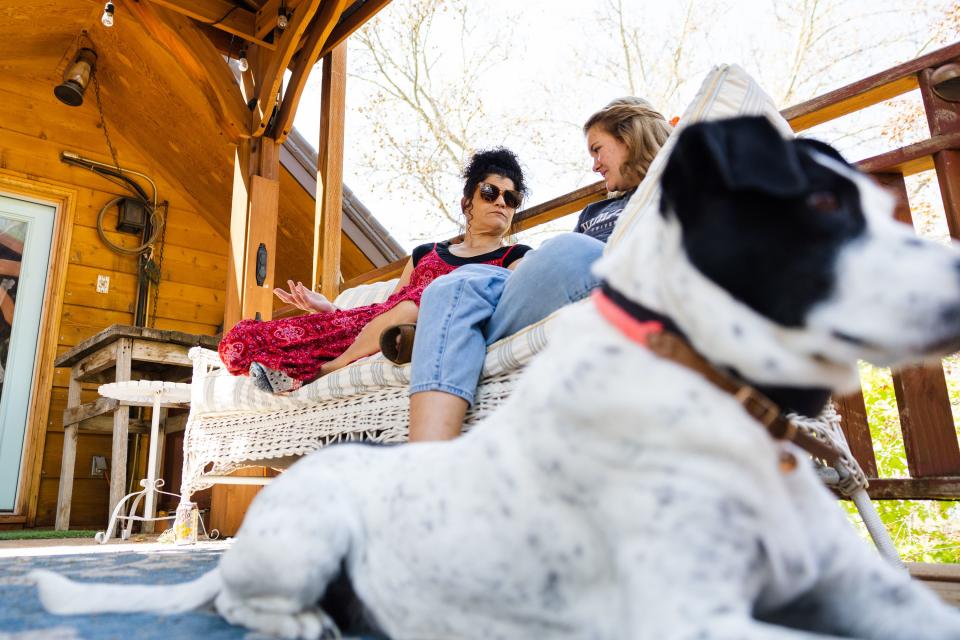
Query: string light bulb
point(282, 20)
point(242, 63)
point(107, 17)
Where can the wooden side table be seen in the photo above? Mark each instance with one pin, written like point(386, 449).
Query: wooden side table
point(117, 354)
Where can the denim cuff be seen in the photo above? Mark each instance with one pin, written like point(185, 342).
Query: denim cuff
point(445, 388)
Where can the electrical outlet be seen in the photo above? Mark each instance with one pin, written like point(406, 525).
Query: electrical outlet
point(103, 284)
point(98, 466)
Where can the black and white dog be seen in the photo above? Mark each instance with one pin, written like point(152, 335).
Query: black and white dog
point(618, 494)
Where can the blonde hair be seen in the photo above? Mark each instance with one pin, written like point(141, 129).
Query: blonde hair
point(634, 122)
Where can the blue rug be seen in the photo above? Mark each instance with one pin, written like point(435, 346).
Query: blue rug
point(23, 618)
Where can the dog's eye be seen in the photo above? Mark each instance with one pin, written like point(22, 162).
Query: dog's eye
point(823, 201)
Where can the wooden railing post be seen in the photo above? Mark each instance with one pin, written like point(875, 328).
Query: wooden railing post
point(926, 420)
point(329, 200)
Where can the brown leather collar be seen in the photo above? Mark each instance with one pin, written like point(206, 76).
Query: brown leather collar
point(672, 347)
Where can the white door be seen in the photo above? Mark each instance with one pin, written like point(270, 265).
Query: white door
point(25, 232)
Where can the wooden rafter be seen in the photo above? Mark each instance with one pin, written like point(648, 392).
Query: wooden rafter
point(320, 29)
point(266, 19)
point(221, 14)
point(201, 61)
point(272, 64)
point(351, 23)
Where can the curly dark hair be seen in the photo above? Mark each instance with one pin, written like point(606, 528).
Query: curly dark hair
point(499, 161)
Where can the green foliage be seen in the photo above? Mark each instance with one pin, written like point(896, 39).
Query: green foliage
point(923, 530)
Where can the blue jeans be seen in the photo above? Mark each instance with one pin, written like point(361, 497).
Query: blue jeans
point(477, 304)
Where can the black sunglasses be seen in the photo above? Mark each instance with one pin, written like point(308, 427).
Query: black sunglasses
point(490, 193)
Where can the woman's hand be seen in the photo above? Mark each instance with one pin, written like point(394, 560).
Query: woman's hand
point(303, 298)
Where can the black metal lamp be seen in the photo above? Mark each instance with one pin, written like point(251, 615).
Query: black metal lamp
point(76, 77)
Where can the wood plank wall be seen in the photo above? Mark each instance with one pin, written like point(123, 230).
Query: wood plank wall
point(33, 131)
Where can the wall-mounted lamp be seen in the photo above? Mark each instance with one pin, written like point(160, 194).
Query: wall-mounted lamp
point(76, 77)
point(107, 17)
point(945, 82)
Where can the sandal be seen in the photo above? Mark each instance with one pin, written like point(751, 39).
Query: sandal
point(271, 380)
point(396, 343)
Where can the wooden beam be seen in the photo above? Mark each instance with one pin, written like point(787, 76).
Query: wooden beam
point(329, 199)
point(271, 65)
point(201, 61)
point(266, 18)
point(386, 272)
point(255, 207)
point(864, 93)
point(220, 14)
point(558, 207)
point(320, 29)
point(911, 159)
point(98, 407)
point(947, 488)
point(239, 207)
point(544, 212)
point(351, 23)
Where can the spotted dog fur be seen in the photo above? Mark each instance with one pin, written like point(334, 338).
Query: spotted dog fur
point(617, 495)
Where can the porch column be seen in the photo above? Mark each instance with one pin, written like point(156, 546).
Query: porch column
point(250, 281)
point(253, 231)
point(329, 196)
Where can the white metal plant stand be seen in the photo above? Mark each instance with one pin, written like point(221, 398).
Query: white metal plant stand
point(150, 393)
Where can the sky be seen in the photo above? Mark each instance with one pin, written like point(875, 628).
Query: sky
point(554, 62)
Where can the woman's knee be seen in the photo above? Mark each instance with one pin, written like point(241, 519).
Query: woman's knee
point(474, 278)
point(406, 311)
point(573, 250)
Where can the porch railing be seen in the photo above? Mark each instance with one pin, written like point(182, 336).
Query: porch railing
point(926, 421)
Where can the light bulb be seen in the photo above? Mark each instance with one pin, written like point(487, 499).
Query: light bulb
point(282, 20)
point(107, 17)
point(242, 63)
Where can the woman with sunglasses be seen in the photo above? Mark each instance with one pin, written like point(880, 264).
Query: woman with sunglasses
point(475, 306)
point(282, 355)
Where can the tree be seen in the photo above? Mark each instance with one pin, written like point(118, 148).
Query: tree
point(428, 103)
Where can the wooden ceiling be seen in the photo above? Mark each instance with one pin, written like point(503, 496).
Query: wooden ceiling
point(166, 86)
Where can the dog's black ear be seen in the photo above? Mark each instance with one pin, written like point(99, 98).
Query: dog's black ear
point(739, 154)
point(820, 147)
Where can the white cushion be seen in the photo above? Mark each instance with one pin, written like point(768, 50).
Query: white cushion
point(365, 294)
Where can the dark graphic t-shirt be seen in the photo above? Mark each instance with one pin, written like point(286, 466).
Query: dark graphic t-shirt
point(598, 219)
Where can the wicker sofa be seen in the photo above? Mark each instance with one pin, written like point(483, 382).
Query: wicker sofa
point(233, 425)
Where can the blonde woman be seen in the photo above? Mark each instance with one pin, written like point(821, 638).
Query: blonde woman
point(477, 305)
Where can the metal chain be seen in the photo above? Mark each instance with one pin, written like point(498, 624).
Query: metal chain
point(159, 263)
point(103, 122)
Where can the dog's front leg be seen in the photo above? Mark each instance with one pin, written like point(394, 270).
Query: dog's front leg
point(703, 592)
point(860, 595)
point(855, 592)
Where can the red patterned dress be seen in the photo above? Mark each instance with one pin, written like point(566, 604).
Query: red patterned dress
point(299, 346)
